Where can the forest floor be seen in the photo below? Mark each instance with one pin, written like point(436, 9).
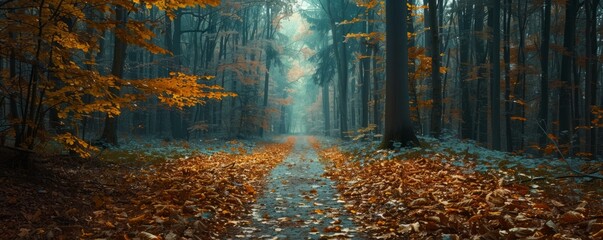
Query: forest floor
point(300, 188)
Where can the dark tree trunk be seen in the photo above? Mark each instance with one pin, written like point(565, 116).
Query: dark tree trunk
point(495, 75)
point(269, 55)
point(543, 112)
point(591, 73)
point(465, 16)
point(109, 135)
point(340, 48)
point(398, 126)
point(565, 92)
point(507, 57)
point(480, 55)
point(522, 16)
point(178, 121)
point(436, 112)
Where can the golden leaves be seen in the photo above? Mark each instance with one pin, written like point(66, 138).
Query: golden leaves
point(192, 196)
point(181, 90)
point(167, 5)
point(423, 195)
point(75, 144)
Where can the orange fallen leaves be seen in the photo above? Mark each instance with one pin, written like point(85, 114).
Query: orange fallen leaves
point(425, 197)
point(197, 196)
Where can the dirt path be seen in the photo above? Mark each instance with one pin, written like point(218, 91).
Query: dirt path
point(299, 203)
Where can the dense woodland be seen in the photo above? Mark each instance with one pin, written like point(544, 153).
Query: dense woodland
point(170, 119)
point(517, 76)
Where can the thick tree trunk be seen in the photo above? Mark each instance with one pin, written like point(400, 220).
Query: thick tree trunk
point(591, 73)
point(398, 125)
point(565, 92)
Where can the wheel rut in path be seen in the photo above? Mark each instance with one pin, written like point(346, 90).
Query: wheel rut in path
point(298, 202)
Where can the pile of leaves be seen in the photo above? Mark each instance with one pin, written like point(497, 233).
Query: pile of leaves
point(190, 198)
point(426, 197)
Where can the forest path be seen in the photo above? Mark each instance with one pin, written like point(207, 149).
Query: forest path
point(298, 202)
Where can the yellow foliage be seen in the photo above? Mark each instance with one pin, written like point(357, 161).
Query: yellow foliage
point(181, 90)
point(75, 144)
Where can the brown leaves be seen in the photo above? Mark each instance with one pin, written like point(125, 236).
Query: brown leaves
point(571, 217)
point(198, 196)
point(426, 197)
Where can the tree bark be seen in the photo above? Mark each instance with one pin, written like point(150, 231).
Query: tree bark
point(495, 75)
point(565, 92)
point(398, 125)
point(507, 59)
point(109, 135)
point(465, 16)
point(543, 112)
point(436, 81)
point(591, 74)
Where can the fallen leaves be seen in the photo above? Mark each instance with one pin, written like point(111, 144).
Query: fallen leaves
point(427, 197)
point(199, 196)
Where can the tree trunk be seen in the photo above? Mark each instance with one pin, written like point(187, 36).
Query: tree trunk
point(480, 55)
point(269, 55)
point(465, 15)
point(436, 81)
point(565, 92)
point(340, 47)
point(495, 75)
point(326, 109)
point(376, 90)
point(414, 98)
point(398, 125)
point(591, 74)
point(543, 112)
point(365, 78)
point(109, 135)
point(520, 90)
point(507, 57)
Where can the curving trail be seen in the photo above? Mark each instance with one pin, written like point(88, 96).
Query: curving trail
point(298, 202)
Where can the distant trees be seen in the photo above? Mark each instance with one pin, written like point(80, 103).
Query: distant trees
point(490, 54)
point(71, 68)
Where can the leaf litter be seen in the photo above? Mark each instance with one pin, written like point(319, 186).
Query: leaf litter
point(198, 197)
point(421, 195)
